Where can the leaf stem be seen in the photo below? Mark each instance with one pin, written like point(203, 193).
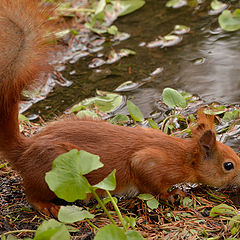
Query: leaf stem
point(102, 206)
point(165, 120)
point(117, 210)
point(91, 224)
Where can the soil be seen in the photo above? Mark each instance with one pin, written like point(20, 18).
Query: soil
point(167, 222)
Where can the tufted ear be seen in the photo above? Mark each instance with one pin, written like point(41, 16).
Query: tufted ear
point(207, 143)
point(205, 122)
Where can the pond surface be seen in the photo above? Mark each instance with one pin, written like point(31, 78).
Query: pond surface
point(205, 62)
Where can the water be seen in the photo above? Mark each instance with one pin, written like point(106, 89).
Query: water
point(205, 62)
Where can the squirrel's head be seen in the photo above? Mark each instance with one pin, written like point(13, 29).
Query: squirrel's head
point(218, 165)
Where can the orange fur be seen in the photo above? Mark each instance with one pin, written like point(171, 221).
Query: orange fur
point(204, 122)
point(146, 160)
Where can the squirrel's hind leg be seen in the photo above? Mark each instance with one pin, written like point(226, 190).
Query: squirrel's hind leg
point(39, 158)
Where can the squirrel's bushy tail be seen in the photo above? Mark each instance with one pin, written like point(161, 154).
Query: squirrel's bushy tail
point(23, 53)
point(23, 48)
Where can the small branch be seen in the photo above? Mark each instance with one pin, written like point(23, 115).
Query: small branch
point(76, 10)
point(19, 231)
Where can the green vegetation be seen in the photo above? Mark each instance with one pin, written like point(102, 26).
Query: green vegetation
point(111, 7)
point(228, 21)
point(62, 176)
point(101, 14)
point(173, 98)
point(207, 214)
point(69, 170)
point(104, 102)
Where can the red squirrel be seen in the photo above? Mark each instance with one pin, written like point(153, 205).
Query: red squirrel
point(145, 160)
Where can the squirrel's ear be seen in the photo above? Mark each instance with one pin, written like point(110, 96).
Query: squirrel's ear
point(207, 143)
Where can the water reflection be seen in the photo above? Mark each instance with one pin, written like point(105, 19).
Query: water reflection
point(217, 78)
point(205, 62)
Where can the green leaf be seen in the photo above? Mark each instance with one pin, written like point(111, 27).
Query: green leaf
point(52, 230)
point(236, 13)
point(11, 237)
point(67, 170)
point(100, 17)
point(77, 107)
point(112, 30)
point(135, 112)
point(153, 124)
point(222, 209)
point(127, 52)
point(21, 117)
point(130, 221)
point(192, 3)
point(170, 37)
point(134, 235)
point(186, 95)
point(110, 232)
point(83, 162)
point(74, 32)
point(153, 203)
point(71, 214)
point(100, 7)
point(127, 86)
point(108, 183)
point(229, 21)
point(181, 29)
point(119, 119)
point(230, 116)
point(216, 5)
point(173, 98)
point(3, 165)
point(145, 196)
point(128, 6)
point(96, 30)
point(105, 102)
point(176, 3)
point(234, 224)
point(87, 114)
point(215, 110)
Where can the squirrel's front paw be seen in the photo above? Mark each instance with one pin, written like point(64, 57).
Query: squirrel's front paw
point(47, 208)
point(175, 194)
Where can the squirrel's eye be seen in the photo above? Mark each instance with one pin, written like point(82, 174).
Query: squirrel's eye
point(228, 166)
